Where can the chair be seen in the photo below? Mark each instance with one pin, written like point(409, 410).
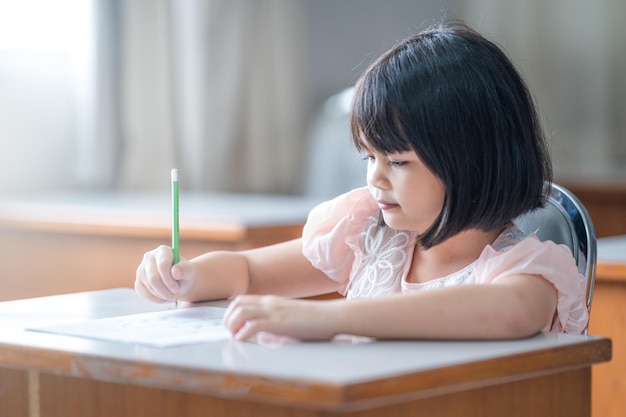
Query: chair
point(565, 220)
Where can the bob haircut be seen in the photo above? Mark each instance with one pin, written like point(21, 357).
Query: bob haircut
point(456, 99)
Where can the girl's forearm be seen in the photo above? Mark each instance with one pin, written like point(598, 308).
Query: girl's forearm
point(279, 269)
point(464, 312)
point(218, 275)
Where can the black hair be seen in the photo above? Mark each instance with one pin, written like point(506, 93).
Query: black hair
point(457, 100)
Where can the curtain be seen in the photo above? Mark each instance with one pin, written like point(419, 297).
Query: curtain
point(572, 54)
point(95, 82)
point(214, 88)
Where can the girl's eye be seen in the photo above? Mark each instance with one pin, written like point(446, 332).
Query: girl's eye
point(369, 158)
point(396, 164)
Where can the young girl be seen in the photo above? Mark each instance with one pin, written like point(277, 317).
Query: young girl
point(428, 249)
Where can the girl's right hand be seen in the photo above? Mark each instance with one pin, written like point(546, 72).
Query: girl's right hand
point(158, 280)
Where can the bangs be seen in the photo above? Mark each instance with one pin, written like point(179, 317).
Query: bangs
point(374, 120)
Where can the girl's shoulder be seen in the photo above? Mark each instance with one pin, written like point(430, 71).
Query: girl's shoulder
point(516, 253)
point(514, 247)
point(350, 211)
point(331, 229)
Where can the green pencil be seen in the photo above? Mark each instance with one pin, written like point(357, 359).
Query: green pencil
point(175, 235)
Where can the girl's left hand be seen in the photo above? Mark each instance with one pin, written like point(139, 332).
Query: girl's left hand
point(248, 315)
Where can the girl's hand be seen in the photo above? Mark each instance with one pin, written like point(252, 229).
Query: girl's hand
point(247, 315)
point(158, 280)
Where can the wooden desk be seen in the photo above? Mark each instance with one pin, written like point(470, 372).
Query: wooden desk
point(608, 317)
point(49, 375)
point(604, 198)
point(79, 242)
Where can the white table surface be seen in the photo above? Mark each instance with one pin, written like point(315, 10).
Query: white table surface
point(612, 249)
point(324, 362)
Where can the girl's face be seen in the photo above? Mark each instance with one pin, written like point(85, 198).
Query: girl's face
point(408, 193)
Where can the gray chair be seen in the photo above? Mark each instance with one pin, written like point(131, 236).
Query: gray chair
point(565, 220)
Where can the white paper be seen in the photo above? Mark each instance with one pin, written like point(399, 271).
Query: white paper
point(158, 329)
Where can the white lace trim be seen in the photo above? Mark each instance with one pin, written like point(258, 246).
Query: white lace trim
point(383, 256)
point(455, 278)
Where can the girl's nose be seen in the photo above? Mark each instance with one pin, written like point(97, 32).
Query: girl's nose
point(376, 174)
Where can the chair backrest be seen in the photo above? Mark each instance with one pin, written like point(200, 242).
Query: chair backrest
point(565, 220)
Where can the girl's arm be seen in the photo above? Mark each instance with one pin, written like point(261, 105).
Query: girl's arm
point(517, 306)
point(279, 269)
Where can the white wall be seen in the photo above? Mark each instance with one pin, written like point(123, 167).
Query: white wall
point(35, 121)
point(345, 36)
point(38, 120)
point(38, 123)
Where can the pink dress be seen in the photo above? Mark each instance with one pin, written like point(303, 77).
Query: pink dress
point(342, 239)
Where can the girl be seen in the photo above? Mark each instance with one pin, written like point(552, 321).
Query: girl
point(428, 249)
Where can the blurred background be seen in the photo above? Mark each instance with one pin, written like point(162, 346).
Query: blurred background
point(99, 99)
point(246, 95)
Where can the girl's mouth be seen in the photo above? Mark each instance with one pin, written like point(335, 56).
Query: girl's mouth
point(383, 205)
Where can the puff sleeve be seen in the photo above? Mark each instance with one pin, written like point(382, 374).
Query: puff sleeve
point(551, 261)
point(332, 230)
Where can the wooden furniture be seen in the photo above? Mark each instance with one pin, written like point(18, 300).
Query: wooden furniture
point(88, 241)
point(48, 375)
point(608, 317)
point(605, 200)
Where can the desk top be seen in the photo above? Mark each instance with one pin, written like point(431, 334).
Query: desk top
point(612, 249)
point(201, 214)
point(611, 259)
point(328, 375)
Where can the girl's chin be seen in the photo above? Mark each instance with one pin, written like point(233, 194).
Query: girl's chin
point(398, 224)
point(395, 223)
